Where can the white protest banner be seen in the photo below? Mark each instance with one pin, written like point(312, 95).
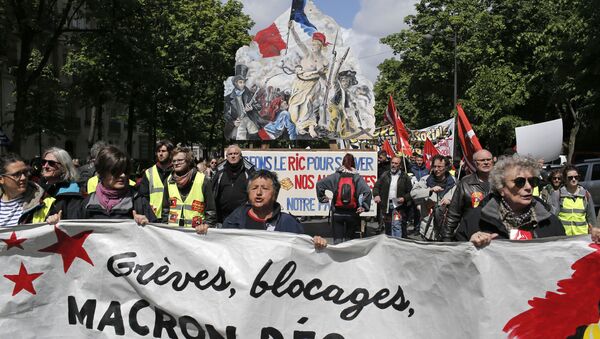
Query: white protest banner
point(299, 171)
point(116, 279)
point(442, 136)
point(541, 141)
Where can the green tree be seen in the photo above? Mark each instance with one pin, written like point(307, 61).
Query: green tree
point(517, 64)
point(38, 25)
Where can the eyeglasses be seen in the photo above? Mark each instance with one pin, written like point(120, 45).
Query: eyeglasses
point(556, 178)
point(50, 163)
point(573, 177)
point(520, 181)
point(17, 175)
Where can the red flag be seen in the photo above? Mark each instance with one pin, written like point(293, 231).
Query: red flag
point(391, 115)
point(468, 140)
point(269, 40)
point(387, 147)
point(429, 151)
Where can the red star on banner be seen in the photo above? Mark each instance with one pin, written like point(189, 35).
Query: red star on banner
point(23, 280)
point(69, 247)
point(13, 241)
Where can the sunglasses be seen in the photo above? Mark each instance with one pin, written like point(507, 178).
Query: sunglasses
point(19, 174)
point(573, 177)
point(556, 178)
point(520, 181)
point(50, 163)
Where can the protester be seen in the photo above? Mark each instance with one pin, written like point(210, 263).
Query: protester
point(88, 170)
point(573, 204)
point(418, 168)
point(433, 193)
point(152, 184)
point(188, 200)
point(212, 168)
point(263, 212)
point(555, 178)
point(19, 197)
point(230, 184)
point(351, 197)
point(510, 211)
point(59, 180)
point(201, 166)
point(470, 192)
point(383, 164)
point(392, 195)
point(113, 198)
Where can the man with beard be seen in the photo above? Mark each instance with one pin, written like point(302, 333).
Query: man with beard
point(392, 194)
point(470, 192)
point(231, 183)
point(152, 184)
point(434, 193)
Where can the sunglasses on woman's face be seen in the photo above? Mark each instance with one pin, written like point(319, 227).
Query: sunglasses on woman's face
point(557, 178)
point(573, 177)
point(50, 163)
point(17, 175)
point(520, 181)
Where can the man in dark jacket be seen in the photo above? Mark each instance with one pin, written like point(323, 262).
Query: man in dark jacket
point(470, 192)
point(230, 183)
point(392, 195)
point(262, 212)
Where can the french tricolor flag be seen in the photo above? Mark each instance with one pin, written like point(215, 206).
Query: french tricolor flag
point(270, 40)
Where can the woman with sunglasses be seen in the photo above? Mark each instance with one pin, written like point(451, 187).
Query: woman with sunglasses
point(59, 180)
point(188, 198)
point(114, 198)
point(19, 197)
point(510, 211)
point(573, 204)
point(555, 179)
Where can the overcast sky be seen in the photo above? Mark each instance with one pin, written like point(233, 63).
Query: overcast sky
point(369, 20)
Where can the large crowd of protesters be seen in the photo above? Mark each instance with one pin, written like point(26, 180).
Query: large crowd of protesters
point(510, 197)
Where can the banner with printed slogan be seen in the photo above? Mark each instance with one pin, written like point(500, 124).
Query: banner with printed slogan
point(299, 171)
point(106, 279)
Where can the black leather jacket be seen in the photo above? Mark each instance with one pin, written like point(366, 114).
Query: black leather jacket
point(462, 200)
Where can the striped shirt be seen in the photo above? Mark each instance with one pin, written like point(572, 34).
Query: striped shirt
point(10, 212)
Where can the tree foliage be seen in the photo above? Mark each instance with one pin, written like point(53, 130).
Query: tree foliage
point(519, 62)
point(164, 59)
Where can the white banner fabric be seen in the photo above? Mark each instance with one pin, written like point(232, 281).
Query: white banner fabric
point(109, 279)
point(299, 171)
point(441, 135)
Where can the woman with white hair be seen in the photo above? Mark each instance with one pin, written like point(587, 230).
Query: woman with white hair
point(62, 196)
point(510, 211)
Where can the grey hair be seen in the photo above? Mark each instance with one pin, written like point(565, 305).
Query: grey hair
point(506, 162)
point(267, 175)
point(70, 173)
point(231, 146)
point(96, 147)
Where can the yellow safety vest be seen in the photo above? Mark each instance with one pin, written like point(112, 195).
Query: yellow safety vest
point(42, 213)
point(572, 215)
point(156, 189)
point(592, 331)
point(193, 206)
point(92, 183)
